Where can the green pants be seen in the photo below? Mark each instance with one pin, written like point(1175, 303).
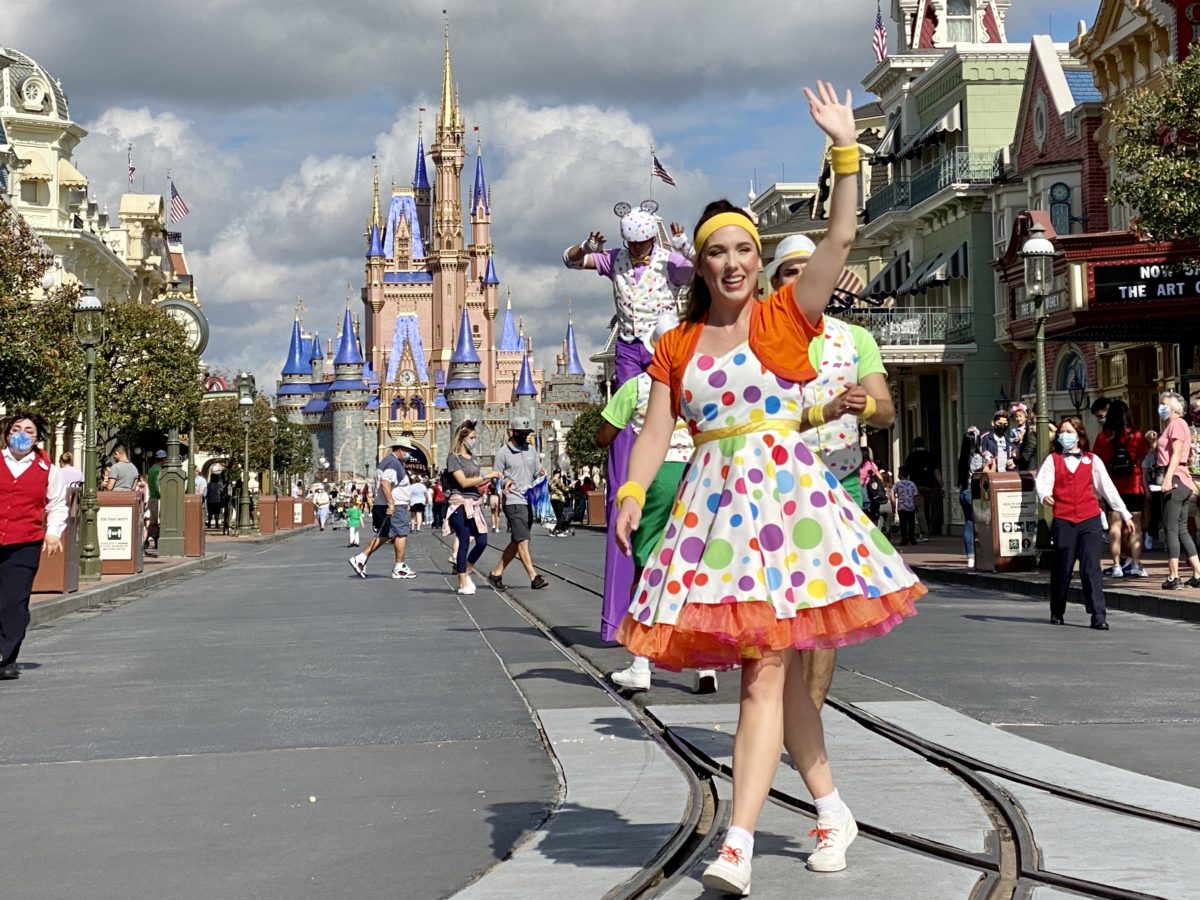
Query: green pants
point(660, 498)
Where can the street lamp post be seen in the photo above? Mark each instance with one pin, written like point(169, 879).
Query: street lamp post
point(245, 389)
point(89, 332)
point(274, 423)
point(1077, 391)
point(1038, 254)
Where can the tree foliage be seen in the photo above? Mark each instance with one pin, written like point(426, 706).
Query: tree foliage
point(582, 448)
point(293, 448)
point(147, 379)
point(1157, 153)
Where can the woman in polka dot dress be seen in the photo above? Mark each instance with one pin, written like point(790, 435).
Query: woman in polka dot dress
point(765, 552)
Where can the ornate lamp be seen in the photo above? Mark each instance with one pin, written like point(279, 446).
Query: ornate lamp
point(89, 332)
point(245, 390)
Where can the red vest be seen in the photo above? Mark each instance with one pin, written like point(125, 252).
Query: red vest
point(23, 501)
point(1074, 493)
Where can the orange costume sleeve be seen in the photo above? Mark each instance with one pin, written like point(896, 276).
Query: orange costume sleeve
point(779, 337)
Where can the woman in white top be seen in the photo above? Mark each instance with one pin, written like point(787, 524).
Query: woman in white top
point(416, 506)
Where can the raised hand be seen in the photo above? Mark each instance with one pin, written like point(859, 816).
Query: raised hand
point(677, 229)
point(595, 242)
point(834, 118)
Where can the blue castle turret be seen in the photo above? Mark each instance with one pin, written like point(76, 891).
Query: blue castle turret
point(294, 387)
point(465, 393)
point(348, 395)
point(525, 393)
point(574, 366)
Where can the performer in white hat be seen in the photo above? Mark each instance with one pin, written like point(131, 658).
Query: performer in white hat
point(647, 279)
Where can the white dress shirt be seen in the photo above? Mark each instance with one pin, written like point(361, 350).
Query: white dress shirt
point(1101, 481)
point(56, 490)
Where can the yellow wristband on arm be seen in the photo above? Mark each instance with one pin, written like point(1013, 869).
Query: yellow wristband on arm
point(868, 410)
point(845, 160)
point(816, 416)
point(631, 489)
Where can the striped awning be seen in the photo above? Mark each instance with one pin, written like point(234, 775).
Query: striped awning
point(847, 292)
point(947, 124)
point(69, 176)
point(944, 268)
point(889, 144)
point(887, 282)
point(34, 169)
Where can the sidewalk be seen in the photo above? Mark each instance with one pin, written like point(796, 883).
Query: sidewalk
point(942, 559)
point(46, 607)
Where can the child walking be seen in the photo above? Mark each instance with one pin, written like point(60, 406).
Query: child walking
point(906, 493)
point(353, 520)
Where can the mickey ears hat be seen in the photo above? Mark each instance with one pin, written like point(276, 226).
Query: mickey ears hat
point(638, 224)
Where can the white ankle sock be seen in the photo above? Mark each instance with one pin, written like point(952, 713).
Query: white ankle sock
point(830, 807)
point(740, 839)
point(640, 664)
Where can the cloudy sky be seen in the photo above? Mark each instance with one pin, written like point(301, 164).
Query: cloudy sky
point(267, 113)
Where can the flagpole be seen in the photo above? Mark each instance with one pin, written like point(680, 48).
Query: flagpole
point(650, 196)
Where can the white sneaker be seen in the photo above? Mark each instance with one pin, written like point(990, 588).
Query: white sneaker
point(468, 588)
point(632, 679)
point(832, 841)
point(970, 562)
point(404, 567)
point(359, 565)
point(704, 682)
point(1114, 572)
point(728, 873)
point(403, 573)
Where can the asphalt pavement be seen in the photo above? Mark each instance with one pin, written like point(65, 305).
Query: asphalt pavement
point(276, 727)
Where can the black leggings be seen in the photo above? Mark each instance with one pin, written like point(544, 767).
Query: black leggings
point(465, 529)
point(1177, 509)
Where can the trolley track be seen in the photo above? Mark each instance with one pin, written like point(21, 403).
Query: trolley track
point(1010, 868)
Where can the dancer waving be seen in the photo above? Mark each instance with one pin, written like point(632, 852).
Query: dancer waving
point(765, 552)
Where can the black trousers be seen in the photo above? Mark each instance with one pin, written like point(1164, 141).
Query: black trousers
point(1082, 541)
point(18, 566)
point(908, 526)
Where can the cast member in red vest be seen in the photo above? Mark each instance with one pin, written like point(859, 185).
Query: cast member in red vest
point(33, 511)
point(1069, 481)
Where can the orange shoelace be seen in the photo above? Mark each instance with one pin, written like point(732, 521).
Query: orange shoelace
point(823, 835)
point(732, 854)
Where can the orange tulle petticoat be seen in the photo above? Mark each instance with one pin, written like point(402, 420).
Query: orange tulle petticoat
point(721, 636)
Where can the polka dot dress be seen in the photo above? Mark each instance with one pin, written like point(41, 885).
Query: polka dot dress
point(764, 548)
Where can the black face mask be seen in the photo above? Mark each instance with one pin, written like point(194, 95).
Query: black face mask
point(520, 438)
point(999, 429)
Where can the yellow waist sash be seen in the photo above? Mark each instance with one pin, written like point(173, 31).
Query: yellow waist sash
point(719, 434)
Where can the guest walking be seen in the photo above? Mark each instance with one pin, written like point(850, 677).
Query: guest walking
point(1069, 482)
point(1173, 454)
point(1121, 447)
point(33, 512)
point(970, 463)
point(467, 518)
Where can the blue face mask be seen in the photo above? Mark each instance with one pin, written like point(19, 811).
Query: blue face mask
point(20, 442)
point(1068, 440)
point(1164, 411)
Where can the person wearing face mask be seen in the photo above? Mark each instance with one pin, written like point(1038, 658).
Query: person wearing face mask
point(1173, 453)
point(1069, 481)
point(519, 465)
point(465, 515)
point(994, 446)
point(33, 513)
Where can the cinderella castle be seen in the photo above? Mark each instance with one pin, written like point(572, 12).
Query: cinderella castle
point(424, 355)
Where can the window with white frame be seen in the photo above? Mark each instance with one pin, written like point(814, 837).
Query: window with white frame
point(960, 21)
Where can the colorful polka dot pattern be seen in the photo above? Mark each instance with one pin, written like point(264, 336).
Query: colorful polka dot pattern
point(835, 442)
point(758, 516)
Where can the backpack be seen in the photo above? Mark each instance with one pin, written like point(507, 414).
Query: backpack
point(1122, 462)
point(876, 492)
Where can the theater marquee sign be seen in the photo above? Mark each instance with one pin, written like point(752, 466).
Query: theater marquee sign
point(1143, 282)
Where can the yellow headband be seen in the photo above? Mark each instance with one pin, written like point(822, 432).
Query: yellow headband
point(720, 220)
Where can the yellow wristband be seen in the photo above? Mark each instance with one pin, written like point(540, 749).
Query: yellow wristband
point(632, 490)
point(845, 160)
point(869, 410)
point(816, 416)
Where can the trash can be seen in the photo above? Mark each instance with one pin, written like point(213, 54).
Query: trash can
point(59, 574)
point(122, 531)
point(267, 517)
point(597, 512)
point(193, 526)
point(285, 513)
point(309, 516)
point(1006, 521)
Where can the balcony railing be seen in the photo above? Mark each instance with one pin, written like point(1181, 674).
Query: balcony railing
point(917, 326)
point(958, 166)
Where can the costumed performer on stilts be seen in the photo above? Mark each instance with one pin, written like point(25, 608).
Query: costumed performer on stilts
point(627, 408)
point(765, 552)
point(647, 279)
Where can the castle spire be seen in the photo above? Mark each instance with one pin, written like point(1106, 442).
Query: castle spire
point(525, 386)
point(449, 108)
point(420, 176)
point(480, 192)
point(296, 363)
point(375, 220)
point(510, 342)
point(574, 366)
point(464, 351)
point(348, 352)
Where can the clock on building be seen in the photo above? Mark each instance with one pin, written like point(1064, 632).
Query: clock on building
point(192, 318)
point(408, 377)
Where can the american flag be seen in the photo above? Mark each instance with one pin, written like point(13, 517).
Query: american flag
point(179, 209)
point(879, 41)
point(132, 167)
point(657, 171)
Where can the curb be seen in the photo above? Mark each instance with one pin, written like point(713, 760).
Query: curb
point(1146, 604)
point(49, 610)
point(269, 538)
